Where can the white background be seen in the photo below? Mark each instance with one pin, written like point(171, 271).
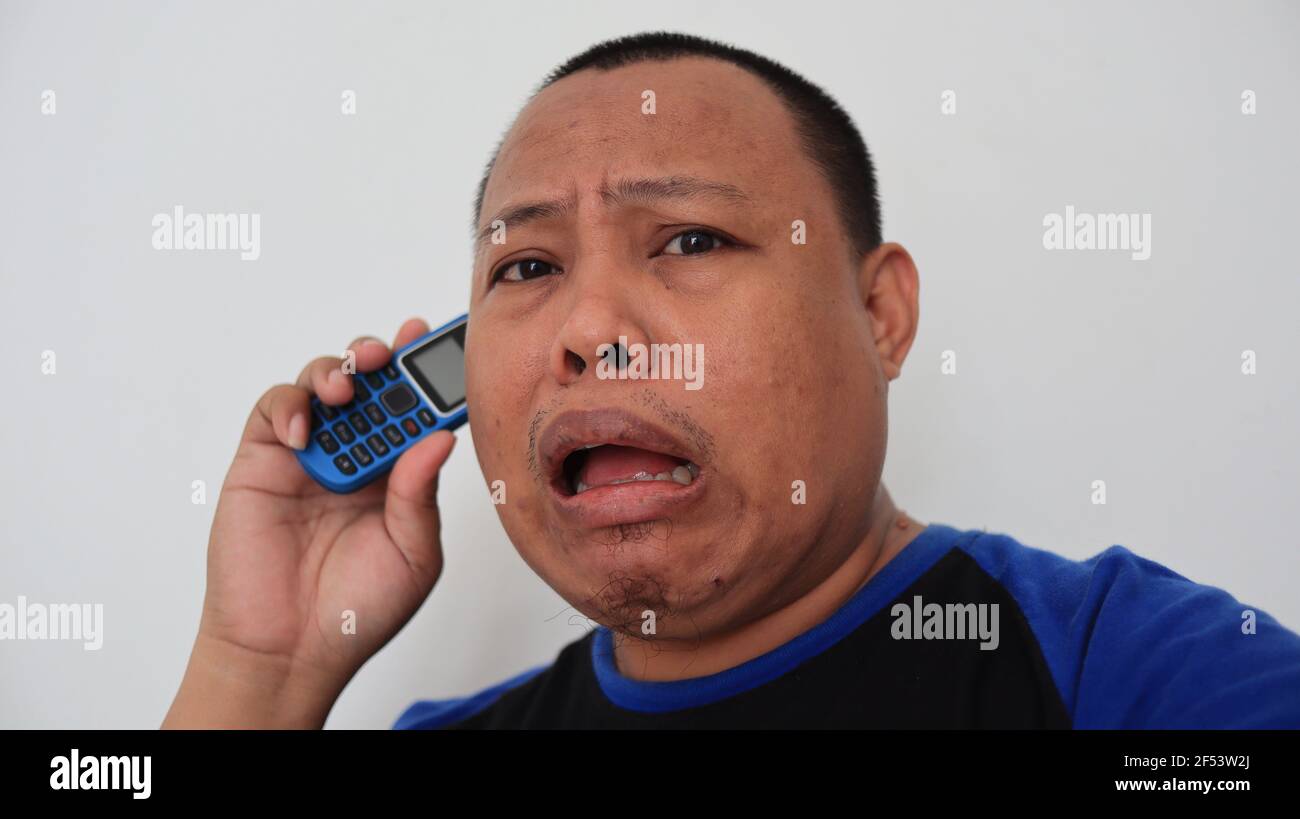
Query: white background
point(1072, 366)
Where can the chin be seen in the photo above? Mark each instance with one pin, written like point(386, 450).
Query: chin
point(614, 574)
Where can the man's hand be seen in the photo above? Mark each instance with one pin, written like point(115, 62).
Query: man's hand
point(287, 558)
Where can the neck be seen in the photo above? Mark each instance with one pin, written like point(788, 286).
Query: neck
point(890, 531)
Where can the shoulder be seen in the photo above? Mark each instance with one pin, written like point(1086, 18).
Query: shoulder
point(517, 701)
point(1131, 643)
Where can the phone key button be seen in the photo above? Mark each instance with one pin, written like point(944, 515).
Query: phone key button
point(360, 423)
point(375, 414)
point(412, 428)
point(362, 455)
point(426, 417)
point(398, 400)
point(344, 432)
point(327, 412)
point(378, 445)
point(394, 437)
point(345, 465)
point(359, 390)
point(327, 442)
point(375, 380)
point(390, 372)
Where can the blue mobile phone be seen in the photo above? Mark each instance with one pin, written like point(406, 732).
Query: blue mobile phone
point(420, 391)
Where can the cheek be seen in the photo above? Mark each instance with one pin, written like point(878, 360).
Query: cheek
point(802, 404)
point(499, 393)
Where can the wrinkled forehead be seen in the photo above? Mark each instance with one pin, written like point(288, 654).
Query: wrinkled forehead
point(693, 116)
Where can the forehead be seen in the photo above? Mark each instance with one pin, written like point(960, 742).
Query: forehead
point(711, 119)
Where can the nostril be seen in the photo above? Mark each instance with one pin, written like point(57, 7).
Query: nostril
point(575, 362)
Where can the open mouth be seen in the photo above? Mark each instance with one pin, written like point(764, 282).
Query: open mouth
point(607, 466)
point(595, 465)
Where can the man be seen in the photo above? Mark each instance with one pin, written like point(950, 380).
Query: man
point(734, 542)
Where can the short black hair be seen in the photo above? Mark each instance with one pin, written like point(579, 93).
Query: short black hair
point(829, 136)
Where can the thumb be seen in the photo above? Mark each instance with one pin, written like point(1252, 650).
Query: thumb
point(411, 506)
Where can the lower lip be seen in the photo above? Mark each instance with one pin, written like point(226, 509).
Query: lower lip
point(632, 502)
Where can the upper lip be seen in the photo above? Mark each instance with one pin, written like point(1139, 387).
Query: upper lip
point(575, 429)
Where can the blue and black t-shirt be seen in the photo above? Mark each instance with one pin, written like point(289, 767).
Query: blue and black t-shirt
point(1115, 641)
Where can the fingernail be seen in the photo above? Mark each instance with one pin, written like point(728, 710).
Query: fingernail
point(298, 431)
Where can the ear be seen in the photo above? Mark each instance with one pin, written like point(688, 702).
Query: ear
point(890, 287)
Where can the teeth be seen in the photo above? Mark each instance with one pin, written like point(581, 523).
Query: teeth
point(684, 475)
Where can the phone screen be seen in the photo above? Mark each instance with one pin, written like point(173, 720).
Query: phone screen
point(439, 368)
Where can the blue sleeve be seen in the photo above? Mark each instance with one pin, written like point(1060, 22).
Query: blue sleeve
point(1132, 644)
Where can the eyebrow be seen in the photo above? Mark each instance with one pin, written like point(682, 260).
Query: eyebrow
point(639, 191)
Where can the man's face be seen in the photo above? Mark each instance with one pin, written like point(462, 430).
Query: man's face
point(782, 444)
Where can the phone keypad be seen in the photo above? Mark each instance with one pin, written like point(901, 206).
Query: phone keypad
point(370, 425)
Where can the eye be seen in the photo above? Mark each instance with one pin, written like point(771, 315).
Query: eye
point(695, 241)
point(523, 270)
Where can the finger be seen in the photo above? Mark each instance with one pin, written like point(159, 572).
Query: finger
point(325, 378)
point(369, 353)
point(282, 415)
point(411, 330)
point(411, 507)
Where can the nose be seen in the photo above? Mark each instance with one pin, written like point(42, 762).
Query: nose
point(601, 323)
